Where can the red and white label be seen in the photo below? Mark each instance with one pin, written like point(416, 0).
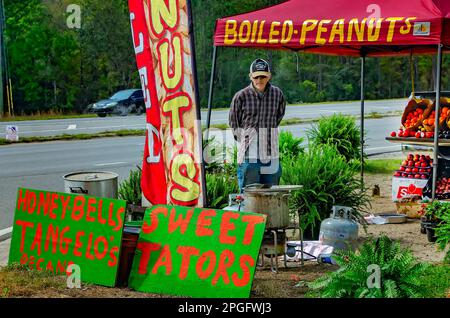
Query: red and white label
point(403, 188)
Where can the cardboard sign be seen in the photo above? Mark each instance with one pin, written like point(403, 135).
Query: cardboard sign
point(12, 133)
point(405, 187)
point(197, 252)
point(54, 230)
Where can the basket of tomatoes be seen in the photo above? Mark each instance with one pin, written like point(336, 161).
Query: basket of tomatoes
point(415, 112)
point(444, 112)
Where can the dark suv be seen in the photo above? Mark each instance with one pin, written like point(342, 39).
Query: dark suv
point(121, 103)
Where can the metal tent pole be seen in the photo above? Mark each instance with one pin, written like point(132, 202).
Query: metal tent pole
point(211, 91)
point(2, 57)
point(363, 64)
point(436, 122)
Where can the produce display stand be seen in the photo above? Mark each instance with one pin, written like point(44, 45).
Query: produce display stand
point(402, 27)
point(439, 146)
point(418, 142)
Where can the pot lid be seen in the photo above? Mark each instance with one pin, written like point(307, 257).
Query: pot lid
point(257, 187)
point(90, 176)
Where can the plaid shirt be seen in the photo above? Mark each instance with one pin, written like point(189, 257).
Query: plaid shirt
point(249, 113)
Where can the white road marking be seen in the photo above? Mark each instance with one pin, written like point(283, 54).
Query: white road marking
point(72, 127)
point(398, 147)
point(110, 163)
point(5, 231)
point(85, 128)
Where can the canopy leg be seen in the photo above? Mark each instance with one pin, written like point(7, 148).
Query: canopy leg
point(211, 91)
point(363, 64)
point(436, 122)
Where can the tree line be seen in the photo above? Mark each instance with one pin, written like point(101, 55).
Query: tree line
point(54, 67)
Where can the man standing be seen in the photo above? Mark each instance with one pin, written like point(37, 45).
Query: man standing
point(255, 114)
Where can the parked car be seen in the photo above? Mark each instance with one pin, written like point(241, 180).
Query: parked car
point(121, 103)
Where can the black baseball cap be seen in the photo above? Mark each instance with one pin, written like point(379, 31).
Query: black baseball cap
point(259, 67)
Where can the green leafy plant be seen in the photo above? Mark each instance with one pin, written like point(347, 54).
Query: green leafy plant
point(327, 180)
point(436, 210)
point(130, 189)
point(437, 281)
point(289, 145)
point(340, 131)
point(442, 232)
point(216, 155)
point(401, 275)
point(218, 188)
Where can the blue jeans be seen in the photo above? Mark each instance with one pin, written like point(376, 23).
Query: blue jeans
point(258, 172)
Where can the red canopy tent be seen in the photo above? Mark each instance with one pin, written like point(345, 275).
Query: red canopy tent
point(343, 27)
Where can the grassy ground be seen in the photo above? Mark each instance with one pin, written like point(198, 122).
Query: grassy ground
point(381, 166)
point(48, 116)
point(287, 283)
point(437, 281)
point(17, 282)
point(116, 133)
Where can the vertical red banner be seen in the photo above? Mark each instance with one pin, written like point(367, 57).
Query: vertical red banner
point(172, 171)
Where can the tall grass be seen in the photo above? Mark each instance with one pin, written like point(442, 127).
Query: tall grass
point(218, 188)
point(327, 180)
point(130, 189)
point(337, 130)
point(289, 145)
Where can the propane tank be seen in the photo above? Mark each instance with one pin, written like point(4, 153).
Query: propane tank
point(338, 231)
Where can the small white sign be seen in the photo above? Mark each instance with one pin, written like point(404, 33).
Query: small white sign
point(12, 133)
point(422, 28)
point(405, 188)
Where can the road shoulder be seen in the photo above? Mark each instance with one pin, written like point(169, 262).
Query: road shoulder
point(4, 252)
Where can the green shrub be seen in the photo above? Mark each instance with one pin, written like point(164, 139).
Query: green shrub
point(439, 212)
point(436, 211)
point(401, 276)
point(340, 131)
point(218, 187)
point(130, 189)
point(289, 145)
point(327, 180)
point(442, 231)
point(217, 154)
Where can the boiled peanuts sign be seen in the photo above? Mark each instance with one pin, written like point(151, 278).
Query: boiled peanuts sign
point(197, 252)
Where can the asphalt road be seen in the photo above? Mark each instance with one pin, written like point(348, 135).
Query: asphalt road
point(43, 165)
point(95, 125)
point(325, 109)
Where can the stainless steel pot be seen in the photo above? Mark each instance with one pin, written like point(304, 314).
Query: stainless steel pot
point(272, 202)
point(98, 184)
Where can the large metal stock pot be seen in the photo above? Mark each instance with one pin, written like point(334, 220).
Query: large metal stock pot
point(97, 184)
point(272, 202)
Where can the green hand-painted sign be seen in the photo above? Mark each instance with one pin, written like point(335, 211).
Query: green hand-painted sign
point(54, 230)
point(197, 252)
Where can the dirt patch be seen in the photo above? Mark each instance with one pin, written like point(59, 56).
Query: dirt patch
point(383, 203)
point(33, 284)
point(290, 282)
point(408, 234)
